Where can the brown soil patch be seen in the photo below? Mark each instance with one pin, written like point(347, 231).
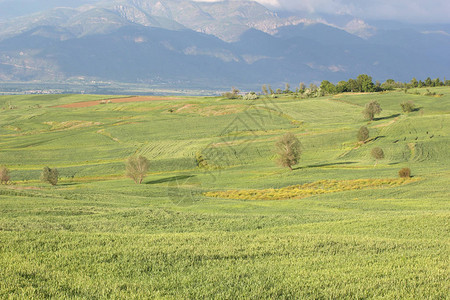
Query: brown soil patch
point(22, 188)
point(116, 100)
point(212, 110)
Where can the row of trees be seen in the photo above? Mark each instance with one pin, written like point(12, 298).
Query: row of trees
point(136, 168)
point(363, 83)
point(48, 175)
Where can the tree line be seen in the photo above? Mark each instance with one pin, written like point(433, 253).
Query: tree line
point(362, 84)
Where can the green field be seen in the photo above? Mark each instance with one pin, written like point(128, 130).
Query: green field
point(190, 232)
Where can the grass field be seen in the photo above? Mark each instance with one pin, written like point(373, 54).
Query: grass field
point(337, 226)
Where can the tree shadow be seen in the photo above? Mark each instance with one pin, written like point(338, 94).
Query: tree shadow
point(378, 137)
point(386, 118)
point(169, 179)
point(67, 183)
point(326, 165)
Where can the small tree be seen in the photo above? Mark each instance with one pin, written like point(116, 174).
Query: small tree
point(264, 89)
point(378, 154)
point(301, 87)
point(234, 94)
point(407, 106)
point(288, 150)
point(50, 175)
point(363, 134)
point(287, 88)
point(4, 175)
point(372, 108)
point(405, 173)
point(137, 168)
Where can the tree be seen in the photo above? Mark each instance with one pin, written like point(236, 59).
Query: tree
point(378, 154)
point(4, 175)
point(352, 86)
point(414, 83)
point(404, 173)
point(365, 83)
point(342, 87)
point(313, 87)
point(372, 108)
point(437, 82)
point(363, 134)
point(288, 150)
point(407, 106)
point(234, 94)
point(388, 85)
point(301, 87)
point(287, 88)
point(327, 87)
point(137, 168)
point(50, 175)
point(264, 90)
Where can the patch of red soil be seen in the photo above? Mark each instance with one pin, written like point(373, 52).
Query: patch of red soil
point(116, 100)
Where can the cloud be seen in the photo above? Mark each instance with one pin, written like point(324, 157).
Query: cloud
point(415, 11)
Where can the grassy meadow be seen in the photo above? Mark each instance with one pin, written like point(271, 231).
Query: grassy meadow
point(239, 226)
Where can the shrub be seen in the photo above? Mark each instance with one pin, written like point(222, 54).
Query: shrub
point(250, 96)
point(288, 150)
point(405, 173)
point(50, 175)
point(407, 106)
point(4, 175)
point(372, 108)
point(363, 134)
point(201, 160)
point(378, 154)
point(137, 168)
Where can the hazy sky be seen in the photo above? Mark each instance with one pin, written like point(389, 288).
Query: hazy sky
point(416, 11)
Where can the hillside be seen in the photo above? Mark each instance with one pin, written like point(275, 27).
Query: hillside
point(350, 230)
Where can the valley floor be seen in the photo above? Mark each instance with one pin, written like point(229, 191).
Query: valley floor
point(232, 228)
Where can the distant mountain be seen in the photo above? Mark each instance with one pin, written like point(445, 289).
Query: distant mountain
point(219, 44)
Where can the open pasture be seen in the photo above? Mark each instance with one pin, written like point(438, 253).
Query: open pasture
point(194, 232)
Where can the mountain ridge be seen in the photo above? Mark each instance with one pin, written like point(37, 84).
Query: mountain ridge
point(212, 44)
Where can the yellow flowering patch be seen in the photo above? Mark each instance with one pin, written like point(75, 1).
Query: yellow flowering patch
point(310, 189)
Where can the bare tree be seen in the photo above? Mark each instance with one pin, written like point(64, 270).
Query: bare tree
point(4, 175)
point(288, 150)
point(137, 168)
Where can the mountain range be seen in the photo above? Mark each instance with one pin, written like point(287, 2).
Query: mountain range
point(182, 43)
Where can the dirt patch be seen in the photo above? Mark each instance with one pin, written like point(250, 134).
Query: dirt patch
point(212, 110)
point(23, 188)
point(116, 100)
point(71, 125)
